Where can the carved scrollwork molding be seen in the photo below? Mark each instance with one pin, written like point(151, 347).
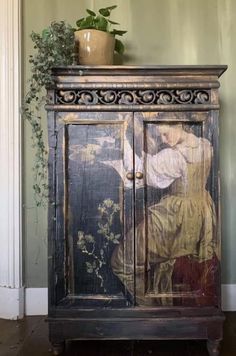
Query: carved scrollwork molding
point(133, 97)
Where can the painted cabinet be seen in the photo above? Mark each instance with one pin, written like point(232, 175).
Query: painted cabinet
point(134, 237)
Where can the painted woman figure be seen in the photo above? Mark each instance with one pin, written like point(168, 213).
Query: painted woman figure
point(182, 223)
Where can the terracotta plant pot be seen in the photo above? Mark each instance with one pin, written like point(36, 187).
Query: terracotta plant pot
point(94, 47)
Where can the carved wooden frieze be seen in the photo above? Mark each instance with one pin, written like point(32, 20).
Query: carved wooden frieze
point(133, 97)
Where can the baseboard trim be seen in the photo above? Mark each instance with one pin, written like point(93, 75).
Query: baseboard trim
point(11, 303)
point(36, 299)
point(228, 293)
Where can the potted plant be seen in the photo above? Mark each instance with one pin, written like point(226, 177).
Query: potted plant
point(53, 47)
point(95, 37)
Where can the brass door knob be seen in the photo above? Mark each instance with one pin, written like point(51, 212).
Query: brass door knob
point(130, 175)
point(139, 175)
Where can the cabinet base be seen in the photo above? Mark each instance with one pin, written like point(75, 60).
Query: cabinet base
point(205, 327)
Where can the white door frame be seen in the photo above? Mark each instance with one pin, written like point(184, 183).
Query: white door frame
point(11, 285)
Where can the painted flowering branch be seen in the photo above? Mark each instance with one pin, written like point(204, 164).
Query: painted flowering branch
point(87, 243)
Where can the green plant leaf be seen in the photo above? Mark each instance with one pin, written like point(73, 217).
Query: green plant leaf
point(104, 12)
point(111, 7)
point(119, 47)
point(78, 23)
point(118, 32)
point(90, 12)
point(113, 22)
point(87, 23)
point(101, 23)
point(45, 33)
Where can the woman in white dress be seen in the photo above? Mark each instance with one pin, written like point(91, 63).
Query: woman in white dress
point(183, 222)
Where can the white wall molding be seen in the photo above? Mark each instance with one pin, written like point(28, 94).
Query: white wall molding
point(36, 299)
point(10, 158)
point(11, 303)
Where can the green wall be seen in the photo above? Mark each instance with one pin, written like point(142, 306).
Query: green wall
point(159, 32)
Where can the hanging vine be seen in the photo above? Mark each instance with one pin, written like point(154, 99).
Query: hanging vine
point(53, 47)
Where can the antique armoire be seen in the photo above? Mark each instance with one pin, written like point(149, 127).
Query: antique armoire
point(134, 223)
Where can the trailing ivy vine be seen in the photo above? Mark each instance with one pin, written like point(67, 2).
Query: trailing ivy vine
point(53, 47)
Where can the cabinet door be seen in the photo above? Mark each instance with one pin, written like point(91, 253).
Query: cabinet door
point(94, 199)
point(176, 205)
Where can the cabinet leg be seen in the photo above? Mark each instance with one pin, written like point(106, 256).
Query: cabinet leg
point(58, 348)
point(213, 347)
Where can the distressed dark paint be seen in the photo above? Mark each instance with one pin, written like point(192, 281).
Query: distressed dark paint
point(112, 315)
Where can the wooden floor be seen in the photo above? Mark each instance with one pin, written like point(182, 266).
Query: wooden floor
point(29, 337)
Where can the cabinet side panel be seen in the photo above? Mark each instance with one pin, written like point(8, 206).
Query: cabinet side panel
point(51, 209)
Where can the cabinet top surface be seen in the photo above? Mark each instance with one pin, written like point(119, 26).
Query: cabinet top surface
point(166, 70)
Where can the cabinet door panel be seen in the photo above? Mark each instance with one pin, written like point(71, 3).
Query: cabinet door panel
point(94, 207)
point(176, 239)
